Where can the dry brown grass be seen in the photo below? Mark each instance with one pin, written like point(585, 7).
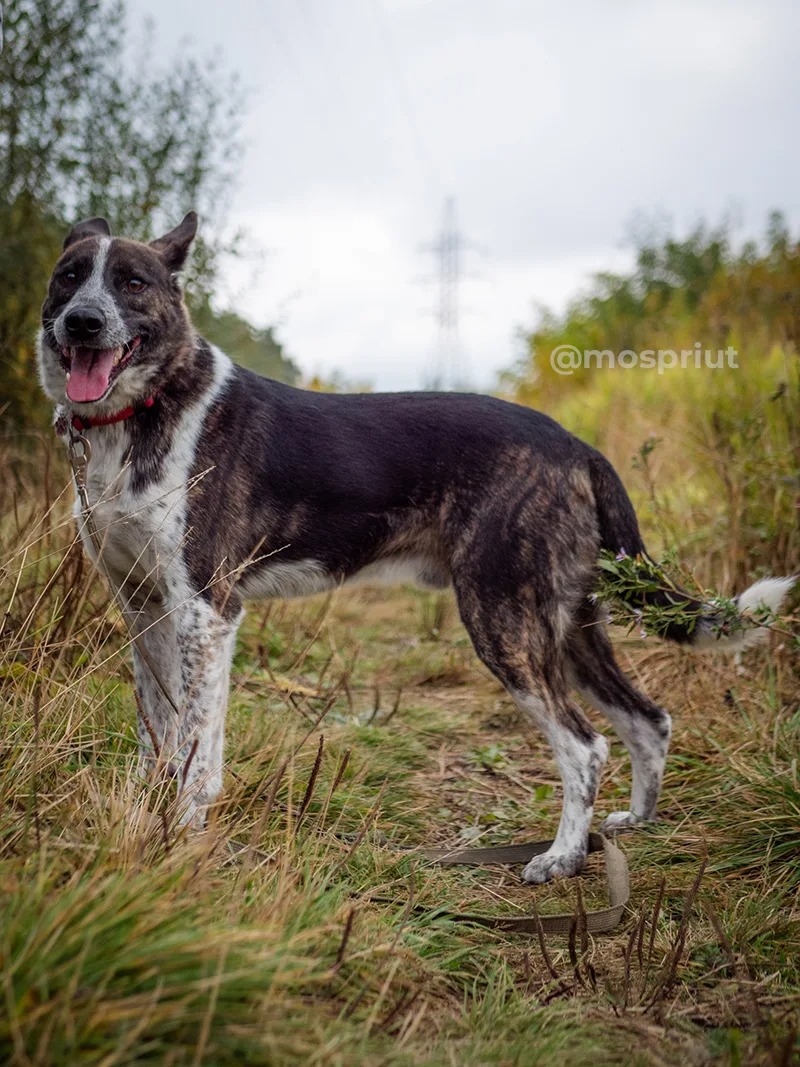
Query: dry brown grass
point(360, 726)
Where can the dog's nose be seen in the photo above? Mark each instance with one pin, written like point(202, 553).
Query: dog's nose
point(84, 322)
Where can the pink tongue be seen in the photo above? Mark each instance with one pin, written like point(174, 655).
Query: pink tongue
point(88, 377)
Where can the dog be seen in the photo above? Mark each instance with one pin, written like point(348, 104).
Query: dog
point(210, 486)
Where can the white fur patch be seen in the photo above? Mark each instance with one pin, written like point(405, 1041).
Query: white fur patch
point(768, 593)
point(579, 763)
point(304, 577)
point(143, 535)
point(96, 294)
point(142, 532)
point(397, 570)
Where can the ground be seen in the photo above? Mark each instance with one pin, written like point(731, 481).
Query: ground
point(300, 928)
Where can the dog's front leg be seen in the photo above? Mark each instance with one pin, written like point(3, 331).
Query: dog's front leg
point(156, 668)
point(206, 642)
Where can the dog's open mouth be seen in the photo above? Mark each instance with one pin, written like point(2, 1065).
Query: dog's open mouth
point(90, 371)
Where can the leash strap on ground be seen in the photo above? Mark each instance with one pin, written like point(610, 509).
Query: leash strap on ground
point(597, 922)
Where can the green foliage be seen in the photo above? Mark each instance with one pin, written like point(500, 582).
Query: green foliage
point(30, 242)
point(83, 133)
point(253, 348)
point(677, 293)
point(490, 757)
point(770, 780)
point(729, 439)
point(120, 952)
point(640, 592)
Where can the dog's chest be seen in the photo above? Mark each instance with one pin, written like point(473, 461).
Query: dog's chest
point(140, 531)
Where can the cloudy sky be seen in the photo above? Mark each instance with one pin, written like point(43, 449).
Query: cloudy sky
point(554, 126)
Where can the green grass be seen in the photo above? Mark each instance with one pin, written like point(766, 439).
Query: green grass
point(360, 727)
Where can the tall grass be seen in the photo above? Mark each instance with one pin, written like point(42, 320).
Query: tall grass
point(359, 727)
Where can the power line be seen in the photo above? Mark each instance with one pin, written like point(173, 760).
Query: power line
point(306, 75)
point(404, 97)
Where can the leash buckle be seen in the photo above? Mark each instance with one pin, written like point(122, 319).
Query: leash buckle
point(79, 461)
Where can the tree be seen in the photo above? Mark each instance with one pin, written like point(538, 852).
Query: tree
point(254, 348)
point(83, 133)
point(678, 291)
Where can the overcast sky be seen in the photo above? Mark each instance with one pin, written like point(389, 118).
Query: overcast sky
point(554, 126)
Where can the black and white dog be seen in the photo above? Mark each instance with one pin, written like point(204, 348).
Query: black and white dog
point(211, 486)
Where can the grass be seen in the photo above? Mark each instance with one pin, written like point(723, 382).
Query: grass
point(361, 726)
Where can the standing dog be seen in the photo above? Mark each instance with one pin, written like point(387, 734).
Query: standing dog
point(210, 486)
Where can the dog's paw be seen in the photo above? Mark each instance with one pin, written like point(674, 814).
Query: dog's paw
point(620, 821)
point(551, 865)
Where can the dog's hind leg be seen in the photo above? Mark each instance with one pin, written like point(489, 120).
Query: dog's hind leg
point(643, 726)
point(579, 753)
point(517, 634)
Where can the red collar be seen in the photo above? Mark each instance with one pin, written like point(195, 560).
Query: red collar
point(81, 424)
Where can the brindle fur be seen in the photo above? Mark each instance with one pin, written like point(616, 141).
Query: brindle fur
point(232, 486)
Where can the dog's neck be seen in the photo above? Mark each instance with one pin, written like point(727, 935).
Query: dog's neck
point(143, 434)
point(81, 423)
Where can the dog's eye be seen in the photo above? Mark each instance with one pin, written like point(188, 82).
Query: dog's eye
point(135, 285)
point(70, 277)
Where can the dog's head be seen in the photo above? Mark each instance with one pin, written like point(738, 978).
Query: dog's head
point(114, 318)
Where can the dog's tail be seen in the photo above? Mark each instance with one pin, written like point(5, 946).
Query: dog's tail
point(686, 620)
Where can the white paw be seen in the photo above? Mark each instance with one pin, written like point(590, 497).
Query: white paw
point(619, 821)
point(554, 865)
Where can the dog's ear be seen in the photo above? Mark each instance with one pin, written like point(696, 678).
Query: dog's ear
point(174, 246)
point(88, 228)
